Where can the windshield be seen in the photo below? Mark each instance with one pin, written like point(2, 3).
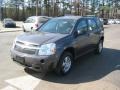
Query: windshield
point(63, 26)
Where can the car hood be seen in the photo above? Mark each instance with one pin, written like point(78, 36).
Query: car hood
point(40, 38)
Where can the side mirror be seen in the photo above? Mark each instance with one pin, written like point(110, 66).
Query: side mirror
point(90, 28)
point(24, 21)
point(81, 32)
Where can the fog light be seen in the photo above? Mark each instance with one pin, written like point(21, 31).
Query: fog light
point(42, 61)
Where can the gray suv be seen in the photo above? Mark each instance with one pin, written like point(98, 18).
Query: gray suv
point(58, 43)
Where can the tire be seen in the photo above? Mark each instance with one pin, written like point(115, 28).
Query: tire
point(13, 59)
point(24, 29)
point(4, 26)
point(99, 48)
point(66, 59)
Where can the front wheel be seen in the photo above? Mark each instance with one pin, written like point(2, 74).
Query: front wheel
point(24, 29)
point(99, 47)
point(65, 64)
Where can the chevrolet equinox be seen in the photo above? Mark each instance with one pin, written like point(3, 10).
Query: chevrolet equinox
point(57, 43)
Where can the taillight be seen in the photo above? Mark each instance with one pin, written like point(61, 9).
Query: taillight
point(36, 25)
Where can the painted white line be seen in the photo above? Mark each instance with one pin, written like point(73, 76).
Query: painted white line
point(9, 88)
point(24, 83)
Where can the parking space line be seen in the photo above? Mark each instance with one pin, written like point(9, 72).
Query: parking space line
point(9, 88)
point(24, 83)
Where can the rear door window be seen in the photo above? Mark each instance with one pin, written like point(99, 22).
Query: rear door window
point(92, 25)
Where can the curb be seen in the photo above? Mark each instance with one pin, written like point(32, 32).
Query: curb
point(10, 31)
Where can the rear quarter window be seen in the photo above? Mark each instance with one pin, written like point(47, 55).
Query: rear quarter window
point(42, 20)
point(99, 23)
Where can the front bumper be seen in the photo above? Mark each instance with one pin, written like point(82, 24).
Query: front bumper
point(35, 62)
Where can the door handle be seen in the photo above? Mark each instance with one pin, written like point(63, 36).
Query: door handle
point(90, 34)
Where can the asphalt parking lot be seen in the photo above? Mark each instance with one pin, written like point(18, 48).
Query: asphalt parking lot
point(90, 72)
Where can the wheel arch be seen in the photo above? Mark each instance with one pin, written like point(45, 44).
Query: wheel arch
point(102, 38)
point(70, 50)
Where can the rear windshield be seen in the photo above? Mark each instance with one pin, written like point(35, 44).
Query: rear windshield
point(30, 20)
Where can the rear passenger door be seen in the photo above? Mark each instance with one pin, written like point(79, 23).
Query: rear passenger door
point(81, 42)
point(93, 30)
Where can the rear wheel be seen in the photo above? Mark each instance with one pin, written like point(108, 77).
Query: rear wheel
point(99, 47)
point(24, 29)
point(65, 64)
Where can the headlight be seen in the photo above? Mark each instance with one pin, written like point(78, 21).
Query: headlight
point(14, 43)
point(47, 49)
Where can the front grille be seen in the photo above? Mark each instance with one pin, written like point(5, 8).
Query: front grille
point(24, 50)
point(22, 43)
point(20, 48)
